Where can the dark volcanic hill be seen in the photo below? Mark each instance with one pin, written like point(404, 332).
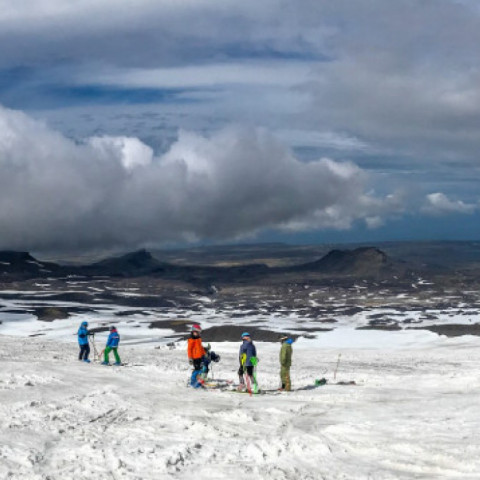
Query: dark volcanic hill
point(23, 265)
point(132, 264)
point(361, 262)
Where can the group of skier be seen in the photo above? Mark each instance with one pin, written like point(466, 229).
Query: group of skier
point(200, 357)
point(112, 344)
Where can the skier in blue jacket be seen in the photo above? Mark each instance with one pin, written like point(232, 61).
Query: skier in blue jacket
point(83, 334)
point(248, 360)
point(112, 344)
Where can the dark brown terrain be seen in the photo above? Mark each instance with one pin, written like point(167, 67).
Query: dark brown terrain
point(245, 282)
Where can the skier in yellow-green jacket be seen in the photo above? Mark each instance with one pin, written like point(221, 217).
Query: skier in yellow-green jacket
point(286, 363)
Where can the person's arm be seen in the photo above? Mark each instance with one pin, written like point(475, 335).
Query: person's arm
point(242, 354)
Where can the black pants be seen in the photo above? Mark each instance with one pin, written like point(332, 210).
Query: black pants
point(84, 352)
point(241, 371)
point(200, 364)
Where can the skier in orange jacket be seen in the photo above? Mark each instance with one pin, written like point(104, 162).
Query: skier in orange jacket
point(196, 356)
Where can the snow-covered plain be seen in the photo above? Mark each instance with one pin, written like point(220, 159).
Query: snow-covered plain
point(412, 415)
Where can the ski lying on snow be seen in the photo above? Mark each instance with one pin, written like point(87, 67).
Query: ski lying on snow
point(122, 365)
point(323, 381)
point(230, 387)
point(215, 384)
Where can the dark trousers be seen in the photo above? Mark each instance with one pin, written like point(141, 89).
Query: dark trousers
point(199, 368)
point(242, 370)
point(84, 352)
point(200, 364)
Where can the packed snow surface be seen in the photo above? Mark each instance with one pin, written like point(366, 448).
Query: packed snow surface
point(413, 413)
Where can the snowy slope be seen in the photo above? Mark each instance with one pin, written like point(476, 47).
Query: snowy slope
point(413, 414)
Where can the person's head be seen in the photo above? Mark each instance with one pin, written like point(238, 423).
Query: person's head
point(246, 336)
point(289, 341)
point(196, 330)
point(284, 338)
point(113, 329)
point(84, 324)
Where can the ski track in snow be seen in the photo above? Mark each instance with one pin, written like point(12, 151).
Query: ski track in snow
point(412, 414)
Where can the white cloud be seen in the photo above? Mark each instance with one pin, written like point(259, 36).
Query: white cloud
point(374, 222)
point(277, 73)
point(439, 204)
point(131, 151)
point(321, 139)
point(109, 192)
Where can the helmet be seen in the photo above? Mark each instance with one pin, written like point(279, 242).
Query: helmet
point(196, 327)
point(245, 334)
point(84, 324)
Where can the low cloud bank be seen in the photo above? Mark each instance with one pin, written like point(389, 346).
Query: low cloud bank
point(438, 204)
point(113, 192)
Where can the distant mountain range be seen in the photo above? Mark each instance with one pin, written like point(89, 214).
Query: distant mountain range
point(365, 262)
point(451, 254)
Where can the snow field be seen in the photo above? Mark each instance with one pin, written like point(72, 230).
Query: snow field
point(413, 414)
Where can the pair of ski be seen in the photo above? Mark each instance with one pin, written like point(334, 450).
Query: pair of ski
point(229, 386)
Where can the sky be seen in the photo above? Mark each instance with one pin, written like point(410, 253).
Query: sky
point(154, 123)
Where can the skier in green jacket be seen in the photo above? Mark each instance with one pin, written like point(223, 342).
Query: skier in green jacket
point(286, 363)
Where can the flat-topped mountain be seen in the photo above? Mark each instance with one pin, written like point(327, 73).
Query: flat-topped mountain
point(365, 261)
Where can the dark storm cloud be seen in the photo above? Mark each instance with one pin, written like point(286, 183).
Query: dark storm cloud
point(150, 32)
point(399, 76)
point(406, 78)
point(113, 191)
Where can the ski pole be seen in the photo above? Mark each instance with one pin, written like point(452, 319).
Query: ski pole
point(336, 368)
point(247, 381)
point(255, 387)
point(95, 352)
point(90, 342)
point(254, 361)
